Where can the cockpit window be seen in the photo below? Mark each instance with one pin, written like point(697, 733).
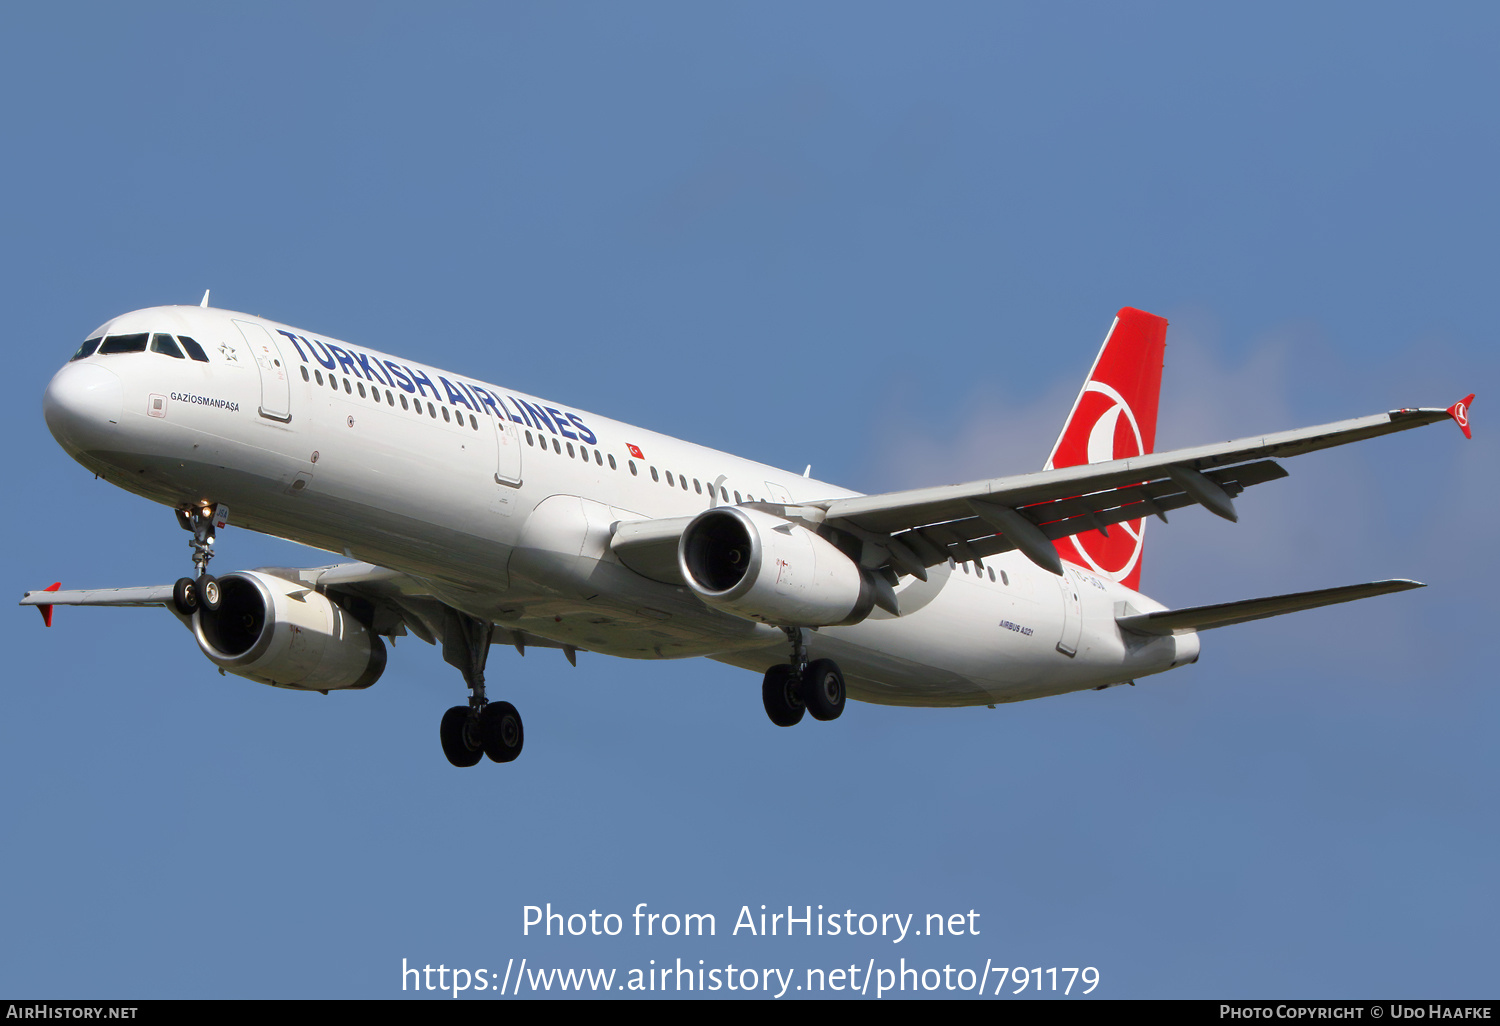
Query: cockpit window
point(87, 349)
point(193, 349)
point(124, 344)
point(164, 344)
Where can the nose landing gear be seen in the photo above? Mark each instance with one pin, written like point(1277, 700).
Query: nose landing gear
point(189, 593)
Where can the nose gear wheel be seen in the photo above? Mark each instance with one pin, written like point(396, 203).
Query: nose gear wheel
point(185, 596)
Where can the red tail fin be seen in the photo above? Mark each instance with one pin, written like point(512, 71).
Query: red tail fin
point(1114, 417)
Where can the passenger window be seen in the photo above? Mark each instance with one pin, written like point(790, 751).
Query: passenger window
point(633, 471)
point(432, 411)
point(697, 487)
point(670, 482)
point(1004, 578)
point(194, 350)
point(318, 376)
point(724, 492)
point(528, 439)
point(87, 349)
point(446, 418)
point(361, 389)
point(305, 375)
point(682, 481)
point(403, 402)
point(598, 457)
point(655, 476)
point(473, 423)
point(164, 344)
point(556, 448)
point(570, 450)
point(347, 389)
point(123, 344)
point(612, 462)
point(992, 574)
point(737, 499)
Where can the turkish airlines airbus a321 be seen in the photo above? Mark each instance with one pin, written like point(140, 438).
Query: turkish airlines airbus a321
point(472, 515)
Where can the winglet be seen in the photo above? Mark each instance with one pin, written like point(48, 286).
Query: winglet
point(1459, 411)
point(46, 611)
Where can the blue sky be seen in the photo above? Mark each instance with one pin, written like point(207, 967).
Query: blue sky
point(884, 240)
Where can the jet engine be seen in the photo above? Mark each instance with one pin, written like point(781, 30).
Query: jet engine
point(761, 567)
point(288, 635)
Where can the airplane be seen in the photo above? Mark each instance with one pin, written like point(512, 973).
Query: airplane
point(470, 515)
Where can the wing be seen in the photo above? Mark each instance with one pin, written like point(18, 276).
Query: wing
point(907, 532)
point(152, 595)
point(387, 602)
point(912, 530)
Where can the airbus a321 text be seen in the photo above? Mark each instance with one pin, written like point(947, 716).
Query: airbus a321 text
point(471, 514)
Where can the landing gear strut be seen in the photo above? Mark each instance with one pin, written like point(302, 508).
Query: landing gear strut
point(188, 594)
point(482, 727)
point(790, 689)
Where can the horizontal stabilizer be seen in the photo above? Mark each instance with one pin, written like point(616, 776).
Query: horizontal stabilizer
point(1200, 618)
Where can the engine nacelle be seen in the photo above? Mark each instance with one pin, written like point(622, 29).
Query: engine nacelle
point(761, 567)
point(286, 634)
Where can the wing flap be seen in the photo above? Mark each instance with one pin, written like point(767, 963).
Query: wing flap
point(1200, 618)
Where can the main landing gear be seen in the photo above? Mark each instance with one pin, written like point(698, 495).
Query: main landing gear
point(790, 689)
point(189, 593)
point(482, 727)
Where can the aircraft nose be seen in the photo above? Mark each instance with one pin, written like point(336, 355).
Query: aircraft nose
point(82, 405)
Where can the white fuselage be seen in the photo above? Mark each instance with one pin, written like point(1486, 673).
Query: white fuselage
point(503, 505)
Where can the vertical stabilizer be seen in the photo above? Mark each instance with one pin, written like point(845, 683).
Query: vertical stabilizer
point(1114, 417)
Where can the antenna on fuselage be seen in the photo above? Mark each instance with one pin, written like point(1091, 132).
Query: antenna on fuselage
point(808, 471)
point(205, 298)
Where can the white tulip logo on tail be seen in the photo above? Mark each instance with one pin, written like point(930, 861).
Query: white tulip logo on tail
point(1115, 435)
point(1114, 418)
